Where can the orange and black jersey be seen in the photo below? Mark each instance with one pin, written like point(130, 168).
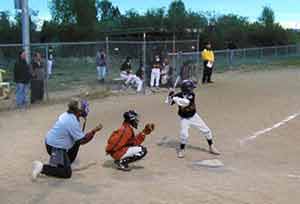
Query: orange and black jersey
point(122, 139)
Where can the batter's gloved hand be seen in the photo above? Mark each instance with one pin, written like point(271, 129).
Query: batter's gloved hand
point(171, 92)
point(149, 127)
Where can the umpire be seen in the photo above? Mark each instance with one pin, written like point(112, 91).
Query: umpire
point(208, 58)
point(63, 142)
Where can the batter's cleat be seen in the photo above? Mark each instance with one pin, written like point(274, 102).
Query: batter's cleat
point(213, 150)
point(37, 168)
point(121, 166)
point(180, 153)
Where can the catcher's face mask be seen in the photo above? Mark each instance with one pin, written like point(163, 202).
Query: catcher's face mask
point(132, 118)
point(135, 123)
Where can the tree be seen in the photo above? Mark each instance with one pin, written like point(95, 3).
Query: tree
point(104, 9)
point(85, 12)
point(195, 20)
point(155, 18)
point(177, 16)
point(133, 19)
point(76, 18)
point(267, 17)
point(5, 27)
point(232, 28)
point(62, 11)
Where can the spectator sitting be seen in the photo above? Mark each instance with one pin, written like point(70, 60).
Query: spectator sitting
point(128, 77)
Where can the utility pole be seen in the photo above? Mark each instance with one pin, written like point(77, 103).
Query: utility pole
point(25, 29)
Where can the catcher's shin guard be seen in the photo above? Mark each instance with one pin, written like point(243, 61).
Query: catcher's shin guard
point(136, 157)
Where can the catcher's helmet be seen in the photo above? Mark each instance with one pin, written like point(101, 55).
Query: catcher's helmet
point(187, 86)
point(132, 118)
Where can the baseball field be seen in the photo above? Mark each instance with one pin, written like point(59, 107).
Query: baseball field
point(255, 120)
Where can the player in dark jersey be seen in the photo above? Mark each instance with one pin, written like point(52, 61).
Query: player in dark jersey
point(189, 117)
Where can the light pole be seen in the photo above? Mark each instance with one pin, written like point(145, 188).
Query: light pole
point(23, 6)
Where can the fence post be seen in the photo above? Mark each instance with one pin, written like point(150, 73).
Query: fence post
point(261, 53)
point(244, 54)
point(174, 59)
point(198, 55)
point(144, 62)
point(276, 51)
point(107, 53)
point(47, 74)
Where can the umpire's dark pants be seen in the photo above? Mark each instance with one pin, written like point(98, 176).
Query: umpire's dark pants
point(207, 72)
point(62, 170)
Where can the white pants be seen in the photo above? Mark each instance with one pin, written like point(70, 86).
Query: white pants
point(197, 122)
point(132, 79)
point(133, 151)
point(49, 67)
point(155, 77)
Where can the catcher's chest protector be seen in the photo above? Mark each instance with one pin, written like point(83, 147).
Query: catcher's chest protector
point(116, 140)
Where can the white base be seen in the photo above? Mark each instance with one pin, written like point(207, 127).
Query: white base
point(212, 163)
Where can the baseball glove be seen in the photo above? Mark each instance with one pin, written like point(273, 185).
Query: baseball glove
point(148, 128)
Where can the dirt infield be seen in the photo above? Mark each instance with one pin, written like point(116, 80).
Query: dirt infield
point(265, 170)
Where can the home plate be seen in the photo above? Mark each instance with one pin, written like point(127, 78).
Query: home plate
point(211, 163)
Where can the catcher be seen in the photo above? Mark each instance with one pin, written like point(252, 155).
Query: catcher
point(189, 117)
point(63, 141)
point(123, 146)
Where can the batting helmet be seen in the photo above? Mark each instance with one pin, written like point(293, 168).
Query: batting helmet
point(187, 86)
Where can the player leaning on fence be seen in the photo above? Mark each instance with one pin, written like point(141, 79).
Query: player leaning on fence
point(208, 58)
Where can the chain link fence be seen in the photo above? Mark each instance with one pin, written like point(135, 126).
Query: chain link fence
point(74, 64)
point(189, 64)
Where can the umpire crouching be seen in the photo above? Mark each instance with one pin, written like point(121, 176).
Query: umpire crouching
point(63, 142)
point(208, 61)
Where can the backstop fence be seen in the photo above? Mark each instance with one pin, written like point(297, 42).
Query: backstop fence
point(74, 64)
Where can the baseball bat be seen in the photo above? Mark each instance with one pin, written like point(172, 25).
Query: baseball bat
point(84, 124)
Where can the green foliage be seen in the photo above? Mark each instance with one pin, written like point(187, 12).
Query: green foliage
point(267, 17)
point(177, 16)
point(89, 20)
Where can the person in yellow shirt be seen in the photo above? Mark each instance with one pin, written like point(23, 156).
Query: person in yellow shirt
point(208, 60)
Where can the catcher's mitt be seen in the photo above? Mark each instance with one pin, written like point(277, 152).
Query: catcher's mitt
point(148, 128)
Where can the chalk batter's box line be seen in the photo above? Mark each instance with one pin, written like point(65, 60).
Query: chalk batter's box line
point(277, 125)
